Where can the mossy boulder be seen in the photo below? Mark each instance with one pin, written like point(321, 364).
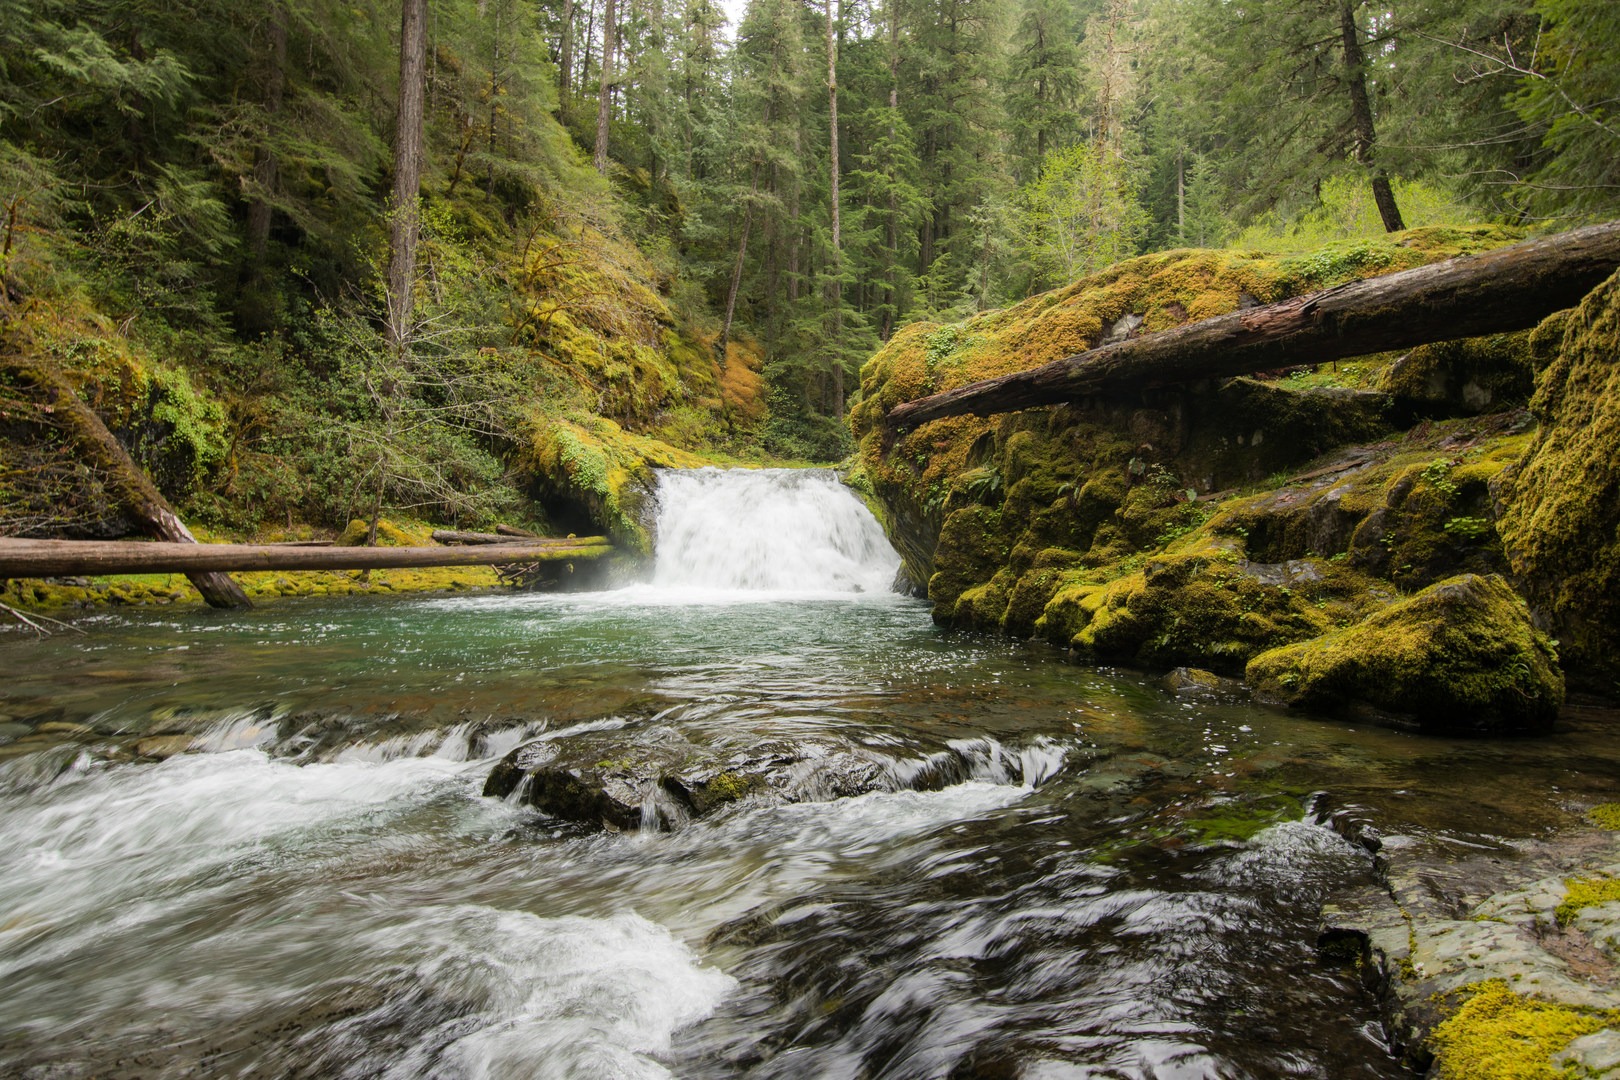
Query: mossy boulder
point(1461, 378)
point(389, 534)
point(656, 778)
point(1460, 656)
point(1561, 519)
point(1205, 607)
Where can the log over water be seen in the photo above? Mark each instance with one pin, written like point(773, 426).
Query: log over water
point(58, 558)
point(1513, 288)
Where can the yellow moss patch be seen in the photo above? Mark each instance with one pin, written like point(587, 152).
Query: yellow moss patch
point(1585, 893)
point(1605, 816)
point(389, 534)
point(1498, 1035)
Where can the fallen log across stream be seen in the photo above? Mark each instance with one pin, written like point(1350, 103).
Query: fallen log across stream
point(62, 558)
point(1512, 288)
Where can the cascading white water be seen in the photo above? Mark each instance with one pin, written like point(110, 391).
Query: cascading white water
point(768, 530)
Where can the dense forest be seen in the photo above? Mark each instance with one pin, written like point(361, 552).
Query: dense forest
point(316, 259)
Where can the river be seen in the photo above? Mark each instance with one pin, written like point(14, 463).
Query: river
point(1121, 882)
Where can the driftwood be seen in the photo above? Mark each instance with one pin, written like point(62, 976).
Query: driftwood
point(1512, 288)
point(63, 558)
point(138, 496)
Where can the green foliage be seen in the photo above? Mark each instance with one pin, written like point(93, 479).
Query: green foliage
point(1343, 210)
point(1080, 214)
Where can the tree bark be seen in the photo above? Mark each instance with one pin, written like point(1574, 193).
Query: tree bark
point(139, 497)
point(266, 169)
point(408, 126)
point(835, 286)
point(1361, 117)
point(56, 558)
point(1512, 288)
point(737, 267)
point(604, 100)
point(565, 55)
point(503, 535)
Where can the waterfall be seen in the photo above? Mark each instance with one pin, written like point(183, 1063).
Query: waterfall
point(768, 530)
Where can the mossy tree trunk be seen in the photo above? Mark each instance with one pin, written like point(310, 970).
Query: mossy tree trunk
point(139, 496)
point(1512, 288)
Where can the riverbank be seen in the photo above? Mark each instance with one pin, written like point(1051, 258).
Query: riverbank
point(1494, 949)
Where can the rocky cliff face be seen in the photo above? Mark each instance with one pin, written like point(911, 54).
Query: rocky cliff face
point(1211, 524)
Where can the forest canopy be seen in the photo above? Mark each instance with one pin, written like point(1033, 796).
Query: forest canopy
point(635, 211)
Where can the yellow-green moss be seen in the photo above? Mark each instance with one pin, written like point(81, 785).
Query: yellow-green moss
point(604, 468)
point(1585, 893)
point(1605, 816)
point(728, 787)
point(1499, 1035)
point(1562, 515)
point(1470, 376)
point(389, 533)
point(1460, 655)
point(1195, 607)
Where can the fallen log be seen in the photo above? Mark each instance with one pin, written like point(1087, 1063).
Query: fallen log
point(455, 536)
point(1512, 288)
point(514, 536)
point(63, 558)
point(138, 496)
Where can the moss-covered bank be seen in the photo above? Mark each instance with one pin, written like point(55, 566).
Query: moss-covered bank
point(1210, 524)
point(1560, 516)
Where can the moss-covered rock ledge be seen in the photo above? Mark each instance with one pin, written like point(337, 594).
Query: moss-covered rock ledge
point(1409, 533)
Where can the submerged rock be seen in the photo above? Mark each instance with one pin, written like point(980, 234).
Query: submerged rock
point(658, 779)
point(1460, 656)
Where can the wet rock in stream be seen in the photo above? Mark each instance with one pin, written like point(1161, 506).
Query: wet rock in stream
point(1445, 926)
point(659, 779)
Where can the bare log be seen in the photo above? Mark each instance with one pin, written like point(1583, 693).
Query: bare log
point(515, 536)
point(513, 530)
point(138, 496)
point(1512, 288)
point(63, 558)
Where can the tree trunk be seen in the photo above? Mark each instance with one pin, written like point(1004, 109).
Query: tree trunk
point(737, 267)
point(835, 286)
point(58, 558)
point(138, 496)
point(1509, 289)
point(266, 169)
point(565, 55)
point(1361, 117)
point(408, 126)
point(604, 100)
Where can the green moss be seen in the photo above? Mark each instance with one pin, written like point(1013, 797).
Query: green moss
point(1461, 656)
point(1499, 1035)
point(594, 463)
point(1584, 893)
point(728, 787)
point(1240, 821)
point(1464, 377)
point(1605, 816)
point(972, 547)
point(389, 534)
point(1561, 523)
